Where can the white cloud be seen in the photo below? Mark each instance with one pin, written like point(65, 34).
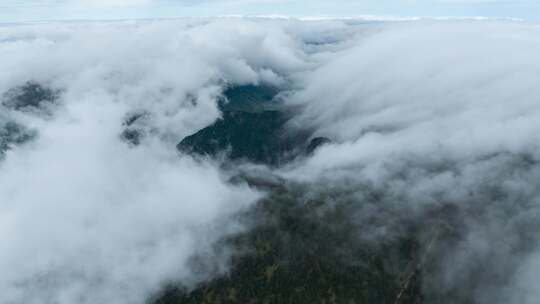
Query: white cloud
point(85, 218)
point(428, 86)
point(435, 114)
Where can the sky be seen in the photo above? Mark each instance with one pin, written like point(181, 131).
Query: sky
point(39, 10)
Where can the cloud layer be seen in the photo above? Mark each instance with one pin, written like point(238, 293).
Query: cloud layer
point(439, 116)
point(423, 116)
point(84, 216)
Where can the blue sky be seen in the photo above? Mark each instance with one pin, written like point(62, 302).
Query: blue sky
point(32, 10)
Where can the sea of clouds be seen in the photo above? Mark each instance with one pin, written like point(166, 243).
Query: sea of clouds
point(430, 113)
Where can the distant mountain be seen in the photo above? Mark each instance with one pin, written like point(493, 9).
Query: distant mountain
point(300, 248)
point(30, 96)
point(13, 134)
point(253, 128)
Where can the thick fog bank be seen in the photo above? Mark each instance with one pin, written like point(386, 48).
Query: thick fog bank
point(96, 204)
point(439, 116)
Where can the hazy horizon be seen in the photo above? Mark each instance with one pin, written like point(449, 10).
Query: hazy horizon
point(43, 10)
